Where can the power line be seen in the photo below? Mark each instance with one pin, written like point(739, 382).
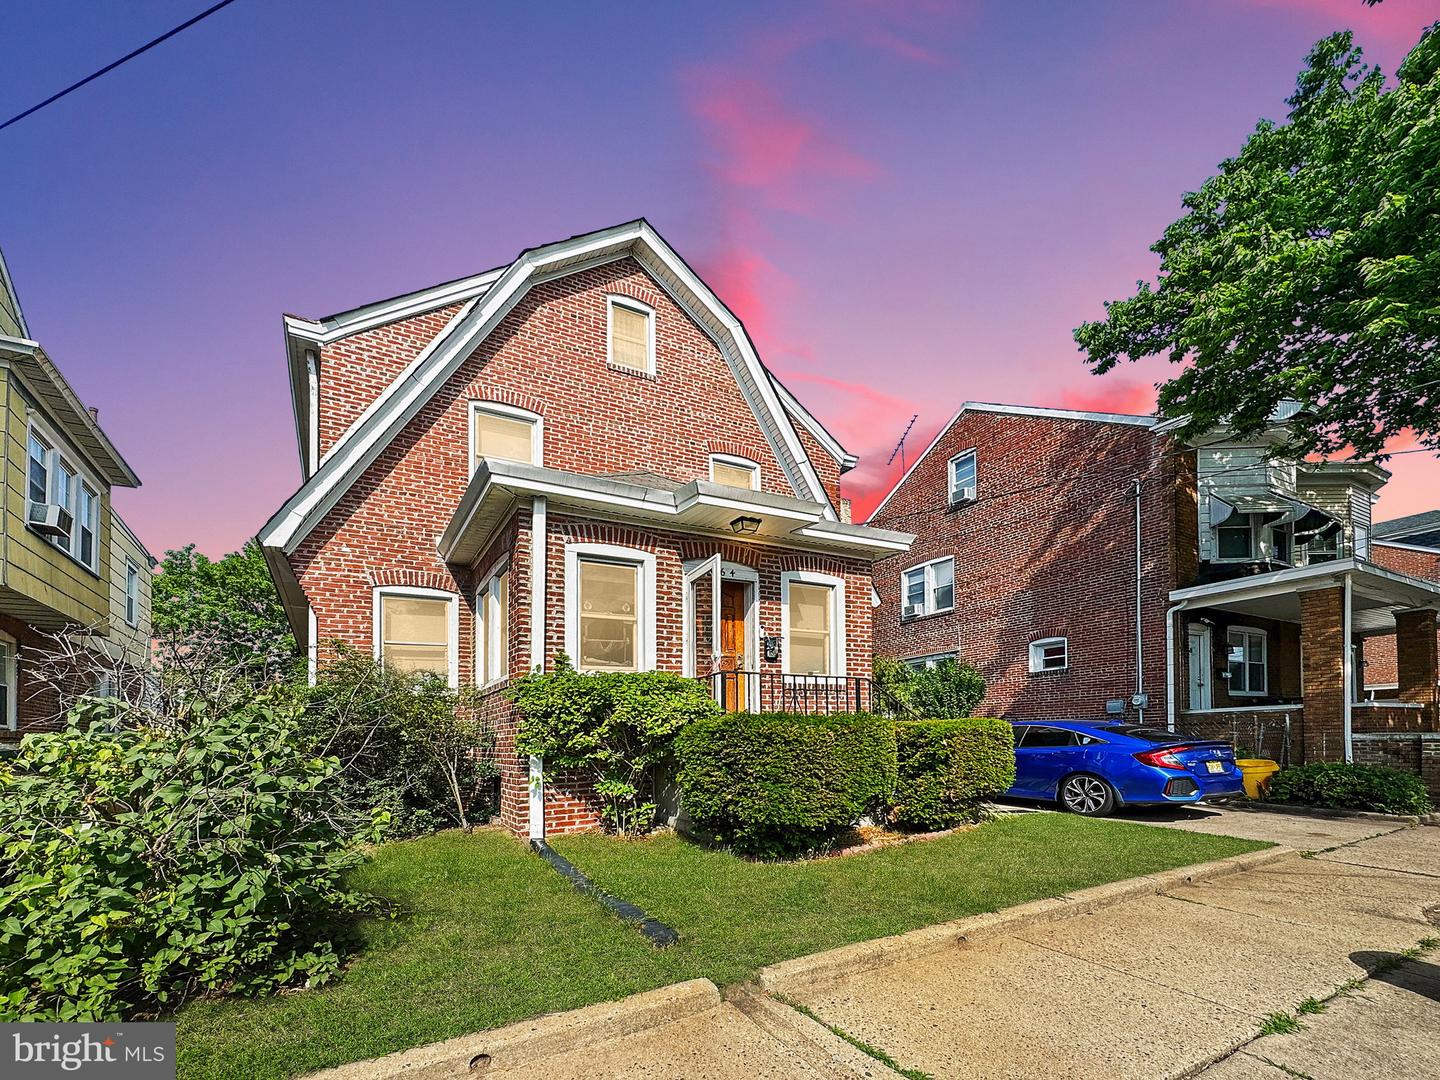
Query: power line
point(111, 67)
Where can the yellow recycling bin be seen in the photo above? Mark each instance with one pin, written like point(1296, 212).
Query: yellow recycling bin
point(1255, 773)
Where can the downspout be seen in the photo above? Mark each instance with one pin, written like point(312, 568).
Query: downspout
point(539, 552)
point(1170, 614)
point(1347, 672)
point(1139, 600)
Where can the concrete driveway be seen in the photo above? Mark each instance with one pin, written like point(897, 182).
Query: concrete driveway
point(1156, 986)
point(1302, 832)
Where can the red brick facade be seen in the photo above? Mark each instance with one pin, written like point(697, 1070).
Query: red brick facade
point(1381, 670)
point(548, 355)
point(1046, 550)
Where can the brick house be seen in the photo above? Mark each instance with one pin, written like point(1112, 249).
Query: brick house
point(1091, 564)
point(576, 453)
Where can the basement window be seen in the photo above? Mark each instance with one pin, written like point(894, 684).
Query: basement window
point(1049, 654)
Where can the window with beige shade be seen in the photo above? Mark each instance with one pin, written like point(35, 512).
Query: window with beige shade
point(810, 628)
point(416, 630)
point(609, 616)
point(504, 432)
point(632, 335)
point(734, 472)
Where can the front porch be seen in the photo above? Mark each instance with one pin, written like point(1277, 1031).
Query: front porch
point(1272, 662)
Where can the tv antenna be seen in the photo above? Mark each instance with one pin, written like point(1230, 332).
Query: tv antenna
point(900, 446)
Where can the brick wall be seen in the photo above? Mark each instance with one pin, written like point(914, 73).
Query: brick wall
point(1379, 651)
point(1047, 550)
point(1321, 618)
point(1417, 754)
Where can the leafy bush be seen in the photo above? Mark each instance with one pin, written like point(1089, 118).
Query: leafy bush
point(948, 690)
point(946, 767)
point(408, 743)
point(1338, 785)
point(775, 784)
point(139, 868)
point(615, 725)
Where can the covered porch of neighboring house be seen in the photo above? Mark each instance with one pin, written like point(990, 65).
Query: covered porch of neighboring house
point(1272, 662)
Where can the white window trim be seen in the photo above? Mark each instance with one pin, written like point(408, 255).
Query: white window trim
point(1037, 649)
point(510, 412)
point(484, 646)
point(11, 682)
point(452, 627)
point(926, 661)
point(737, 463)
point(132, 573)
point(929, 574)
point(951, 498)
point(641, 308)
point(1264, 636)
point(645, 619)
point(837, 619)
point(58, 452)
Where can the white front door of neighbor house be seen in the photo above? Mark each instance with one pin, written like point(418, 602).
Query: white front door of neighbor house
point(1199, 667)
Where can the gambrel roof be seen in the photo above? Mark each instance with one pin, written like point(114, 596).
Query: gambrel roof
point(487, 298)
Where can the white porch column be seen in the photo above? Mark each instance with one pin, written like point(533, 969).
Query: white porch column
point(539, 557)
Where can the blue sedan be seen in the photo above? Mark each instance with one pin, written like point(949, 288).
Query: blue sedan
point(1093, 767)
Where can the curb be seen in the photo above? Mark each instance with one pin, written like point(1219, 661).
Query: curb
point(531, 1041)
point(808, 972)
point(1326, 812)
point(813, 1042)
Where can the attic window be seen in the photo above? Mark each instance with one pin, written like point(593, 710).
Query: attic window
point(631, 337)
point(734, 472)
point(504, 432)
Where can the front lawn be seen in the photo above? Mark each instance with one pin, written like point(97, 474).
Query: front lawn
point(493, 935)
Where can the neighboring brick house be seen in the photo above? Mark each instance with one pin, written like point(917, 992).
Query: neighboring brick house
point(1410, 545)
point(580, 453)
point(1087, 563)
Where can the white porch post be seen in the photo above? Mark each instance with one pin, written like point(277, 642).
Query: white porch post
point(539, 552)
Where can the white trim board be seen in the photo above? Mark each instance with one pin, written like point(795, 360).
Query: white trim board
point(387, 416)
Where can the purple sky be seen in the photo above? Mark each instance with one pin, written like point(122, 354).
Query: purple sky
point(909, 204)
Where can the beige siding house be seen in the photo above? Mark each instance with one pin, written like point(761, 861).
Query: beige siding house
point(61, 544)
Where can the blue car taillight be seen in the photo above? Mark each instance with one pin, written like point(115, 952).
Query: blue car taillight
point(1163, 758)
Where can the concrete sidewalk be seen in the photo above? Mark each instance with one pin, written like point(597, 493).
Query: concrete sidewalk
point(1154, 987)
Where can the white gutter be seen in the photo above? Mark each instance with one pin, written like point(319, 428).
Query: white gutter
point(539, 558)
point(1139, 600)
point(1347, 672)
point(1170, 614)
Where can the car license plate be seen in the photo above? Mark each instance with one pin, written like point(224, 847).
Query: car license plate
point(1215, 766)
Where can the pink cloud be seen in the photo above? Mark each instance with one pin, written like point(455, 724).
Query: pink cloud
point(1112, 396)
point(1396, 22)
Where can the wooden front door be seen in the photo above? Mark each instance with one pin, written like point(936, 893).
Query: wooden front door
point(733, 603)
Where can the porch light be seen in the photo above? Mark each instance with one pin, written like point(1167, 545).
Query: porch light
point(745, 525)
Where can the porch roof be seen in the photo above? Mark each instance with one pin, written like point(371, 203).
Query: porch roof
point(697, 507)
point(1376, 593)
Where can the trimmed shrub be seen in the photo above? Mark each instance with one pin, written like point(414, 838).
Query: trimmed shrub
point(140, 868)
point(407, 743)
point(776, 784)
point(946, 767)
point(1338, 785)
point(948, 690)
point(615, 725)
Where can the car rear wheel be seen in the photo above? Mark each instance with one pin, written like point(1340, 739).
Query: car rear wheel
point(1087, 795)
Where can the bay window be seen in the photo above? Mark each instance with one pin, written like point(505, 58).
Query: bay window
point(492, 621)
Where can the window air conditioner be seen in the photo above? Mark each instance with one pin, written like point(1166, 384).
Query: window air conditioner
point(961, 496)
point(50, 519)
point(909, 611)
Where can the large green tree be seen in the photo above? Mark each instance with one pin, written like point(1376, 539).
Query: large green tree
point(1308, 268)
point(225, 610)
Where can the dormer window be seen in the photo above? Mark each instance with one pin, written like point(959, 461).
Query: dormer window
point(631, 336)
point(504, 433)
point(963, 486)
point(734, 472)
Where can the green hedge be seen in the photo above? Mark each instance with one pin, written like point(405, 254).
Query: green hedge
point(1337, 785)
point(946, 767)
point(776, 784)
